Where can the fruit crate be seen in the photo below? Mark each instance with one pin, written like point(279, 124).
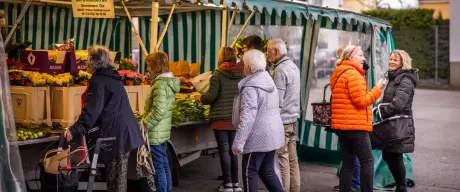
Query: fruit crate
point(31, 103)
point(66, 104)
point(136, 97)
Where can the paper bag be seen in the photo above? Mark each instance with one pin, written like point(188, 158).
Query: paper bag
point(201, 82)
point(194, 69)
point(179, 68)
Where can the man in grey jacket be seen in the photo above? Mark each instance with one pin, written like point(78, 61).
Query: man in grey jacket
point(287, 80)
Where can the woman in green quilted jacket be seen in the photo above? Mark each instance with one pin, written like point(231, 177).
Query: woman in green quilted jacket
point(157, 116)
point(222, 89)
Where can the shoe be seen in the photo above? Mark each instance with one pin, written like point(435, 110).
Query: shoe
point(225, 187)
point(336, 188)
point(401, 188)
point(236, 188)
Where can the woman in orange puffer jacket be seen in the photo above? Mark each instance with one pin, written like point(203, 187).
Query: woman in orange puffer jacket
point(352, 116)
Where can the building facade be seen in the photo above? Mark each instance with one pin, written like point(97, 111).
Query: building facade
point(454, 51)
point(439, 7)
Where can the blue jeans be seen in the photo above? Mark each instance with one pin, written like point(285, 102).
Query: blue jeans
point(355, 181)
point(163, 181)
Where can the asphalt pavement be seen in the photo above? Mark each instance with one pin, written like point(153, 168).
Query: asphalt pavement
point(436, 160)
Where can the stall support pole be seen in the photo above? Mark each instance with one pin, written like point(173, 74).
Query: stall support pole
point(135, 30)
point(154, 27)
point(18, 21)
point(224, 28)
point(230, 24)
point(163, 33)
point(243, 28)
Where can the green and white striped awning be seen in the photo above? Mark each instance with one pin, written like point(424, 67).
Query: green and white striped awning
point(45, 25)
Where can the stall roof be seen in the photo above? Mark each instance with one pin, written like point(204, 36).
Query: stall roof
point(299, 9)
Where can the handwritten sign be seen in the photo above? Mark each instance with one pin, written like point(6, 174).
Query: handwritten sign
point(93, 8)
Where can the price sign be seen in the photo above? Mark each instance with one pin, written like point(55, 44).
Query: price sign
point(93, 8)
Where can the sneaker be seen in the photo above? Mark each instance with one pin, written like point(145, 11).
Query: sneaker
point(236, 188)
point(225, 187)
point(337, 188)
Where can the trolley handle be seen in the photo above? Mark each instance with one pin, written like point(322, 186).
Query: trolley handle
point(378, 109)
point(100, 141)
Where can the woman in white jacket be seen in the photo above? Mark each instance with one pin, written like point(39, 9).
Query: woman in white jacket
point(260, 131)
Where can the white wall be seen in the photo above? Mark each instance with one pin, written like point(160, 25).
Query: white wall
point(454, 31)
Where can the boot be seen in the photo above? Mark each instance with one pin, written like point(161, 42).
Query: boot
point(401, 188)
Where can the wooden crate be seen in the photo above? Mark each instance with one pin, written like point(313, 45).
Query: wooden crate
point(136, 97)
point(31, 103)
point(66, 104)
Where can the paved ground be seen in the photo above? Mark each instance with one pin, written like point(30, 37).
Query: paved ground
point(436, 160)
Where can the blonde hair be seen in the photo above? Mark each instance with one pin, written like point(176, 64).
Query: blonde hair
point(158, 62)
point(406, 60)
point(347, 52)
point(226, 54)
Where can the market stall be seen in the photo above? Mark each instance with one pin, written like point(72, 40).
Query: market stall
point(195, 31)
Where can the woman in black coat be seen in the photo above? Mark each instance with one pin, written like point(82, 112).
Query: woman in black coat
point(107, 107)
point(398, 96)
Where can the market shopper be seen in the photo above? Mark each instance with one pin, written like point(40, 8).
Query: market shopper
point(355, 181)
point(256, 116)
point(352, 118)
point(222, 89)
point(399, 95)
point(158, 114)
point(287, 81)
point(107, 107)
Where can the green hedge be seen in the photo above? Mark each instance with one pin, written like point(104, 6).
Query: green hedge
point(414, 31)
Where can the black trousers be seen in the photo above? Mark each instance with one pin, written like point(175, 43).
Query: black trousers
point(260, 164)
point(228, 161)
point(356, 144)
point(395, 163)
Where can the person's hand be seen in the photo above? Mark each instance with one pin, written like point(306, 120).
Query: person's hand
point(381, 84)
point(235, 152)
point(68, 134)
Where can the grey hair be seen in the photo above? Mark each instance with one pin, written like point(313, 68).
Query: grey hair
point(99, 57)
point(278, 44)
point(254, 61)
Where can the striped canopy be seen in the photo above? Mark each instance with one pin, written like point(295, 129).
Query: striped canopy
point(193, 35)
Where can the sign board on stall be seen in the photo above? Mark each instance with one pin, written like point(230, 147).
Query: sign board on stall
point(93, 8)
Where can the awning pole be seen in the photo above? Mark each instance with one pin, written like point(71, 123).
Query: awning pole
point(18, 21)
point(135, 30)
point(230, 24)
point(154, 27)
point(243, 28)
point(224, 28)
point(163, 33)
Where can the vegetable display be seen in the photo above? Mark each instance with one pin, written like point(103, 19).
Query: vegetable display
point(187, 109)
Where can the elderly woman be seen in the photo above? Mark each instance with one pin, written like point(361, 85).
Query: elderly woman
point(222, 89)
point(352, 117)
point(260, 131)
point(107, 107)
point(398, 95)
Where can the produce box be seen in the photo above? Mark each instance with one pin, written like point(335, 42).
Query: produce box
point(31, 103)
point(43, 61)
point(66, 104)
point(136, 97)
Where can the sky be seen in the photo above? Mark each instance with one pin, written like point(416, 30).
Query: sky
point(396, 5)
